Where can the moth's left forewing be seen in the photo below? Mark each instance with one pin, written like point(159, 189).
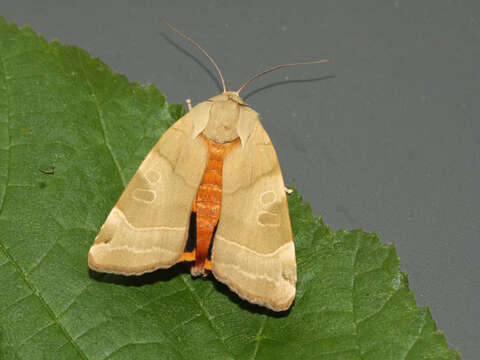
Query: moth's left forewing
point(253, 251)
point(148, 227)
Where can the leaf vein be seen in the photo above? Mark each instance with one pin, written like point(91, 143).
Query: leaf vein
point(7, 98)
point(162, 296)
point(35, 333)
point(206, 314)
point(416, 337)
point(354, 322)
point(42, 257)
point(380, 309)
point(17, 301)
point(70, 304)
point(42, 302)
point(102, 124)
point(259, 337)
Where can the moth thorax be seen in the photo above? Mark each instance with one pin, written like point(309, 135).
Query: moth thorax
point(223, 121)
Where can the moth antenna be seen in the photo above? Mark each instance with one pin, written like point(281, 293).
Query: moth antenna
point(174, 29)
point(279, 67)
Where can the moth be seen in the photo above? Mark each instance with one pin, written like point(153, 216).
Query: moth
point(213, 173)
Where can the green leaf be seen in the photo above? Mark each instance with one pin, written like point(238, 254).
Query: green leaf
point(72, 134)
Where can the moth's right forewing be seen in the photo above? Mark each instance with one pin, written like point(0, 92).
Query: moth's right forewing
point(253, 251)
point(148, 227)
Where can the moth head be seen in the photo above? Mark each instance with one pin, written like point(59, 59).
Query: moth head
point(224, 118)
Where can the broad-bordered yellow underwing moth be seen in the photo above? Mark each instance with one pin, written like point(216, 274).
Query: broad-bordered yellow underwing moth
point(215, 169)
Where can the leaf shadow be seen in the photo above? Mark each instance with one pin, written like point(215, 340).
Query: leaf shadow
point(283, 82)
point(196, 60)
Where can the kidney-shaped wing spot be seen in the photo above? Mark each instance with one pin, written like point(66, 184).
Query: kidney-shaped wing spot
point(267, 218)
point(144, 195)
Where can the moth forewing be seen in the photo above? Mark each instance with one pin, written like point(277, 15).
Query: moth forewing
point(148, 226)
point(253, 250)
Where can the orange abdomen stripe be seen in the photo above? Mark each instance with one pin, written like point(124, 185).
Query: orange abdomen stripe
point(209, 198)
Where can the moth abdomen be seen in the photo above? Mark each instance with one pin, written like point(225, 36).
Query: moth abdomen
point(208, 202)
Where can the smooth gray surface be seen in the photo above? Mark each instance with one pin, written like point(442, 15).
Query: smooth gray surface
point(386, 137)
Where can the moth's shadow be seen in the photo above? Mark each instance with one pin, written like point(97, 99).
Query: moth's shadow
point(160, 275)
point(163, 275)
point(284, 82)
point(212, 76)
point(244, 304)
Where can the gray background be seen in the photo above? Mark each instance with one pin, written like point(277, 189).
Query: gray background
point(386, 137)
